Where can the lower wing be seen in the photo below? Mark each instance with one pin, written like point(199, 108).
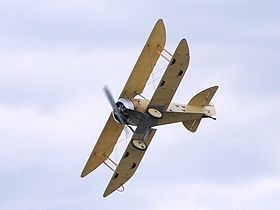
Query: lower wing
point(104, 146)
point(129, 162)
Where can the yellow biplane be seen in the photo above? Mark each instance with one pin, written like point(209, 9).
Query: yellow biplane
point(146, 114)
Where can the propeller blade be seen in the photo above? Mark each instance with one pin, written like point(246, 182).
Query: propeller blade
point(110, 97)
point(111, 100)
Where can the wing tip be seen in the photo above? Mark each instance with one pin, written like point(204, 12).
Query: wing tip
point(160, 28)
point(160, 21)
point(83, 174)
point(107, 192)
point(184, 43)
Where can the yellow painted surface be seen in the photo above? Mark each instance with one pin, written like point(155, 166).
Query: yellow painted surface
point(204, 97)
point(171, 77)
point(189, 114)
point(140, 104)
point(127, 165)
point(146, 62)
point(104, 146)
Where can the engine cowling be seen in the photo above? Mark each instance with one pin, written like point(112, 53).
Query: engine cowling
point(123, 105)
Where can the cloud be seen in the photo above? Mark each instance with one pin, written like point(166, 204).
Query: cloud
point(251, 195)
point(55, 59)
point(46, 78)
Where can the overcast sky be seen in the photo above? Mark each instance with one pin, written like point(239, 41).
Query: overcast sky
point(55, 58)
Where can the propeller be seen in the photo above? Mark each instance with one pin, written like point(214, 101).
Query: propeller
point(115, 108)
point(111, 100)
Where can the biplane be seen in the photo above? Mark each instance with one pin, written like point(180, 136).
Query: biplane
point(146, 114)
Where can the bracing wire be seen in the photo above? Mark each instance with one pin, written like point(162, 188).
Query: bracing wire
point(160, 69)
point(149, 83)
point(155, 79)
point(127, 136)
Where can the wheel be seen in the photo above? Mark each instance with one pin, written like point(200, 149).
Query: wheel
point(139, 144)
point(155, 113)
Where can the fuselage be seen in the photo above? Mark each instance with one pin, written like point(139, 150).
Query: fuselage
point(134, 106)
point(142, 104)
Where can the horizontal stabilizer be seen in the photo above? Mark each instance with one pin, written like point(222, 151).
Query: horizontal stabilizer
point(192, 125)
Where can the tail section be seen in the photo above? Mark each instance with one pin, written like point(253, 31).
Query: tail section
point(201, 103)
point(204, 97)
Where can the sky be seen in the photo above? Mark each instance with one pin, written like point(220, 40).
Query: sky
point(55, 58)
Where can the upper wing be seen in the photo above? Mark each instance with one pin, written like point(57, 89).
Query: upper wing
point(135, 85)
point(146, 62)
point(128, 164)
point(104, 146)
point(171, 78)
